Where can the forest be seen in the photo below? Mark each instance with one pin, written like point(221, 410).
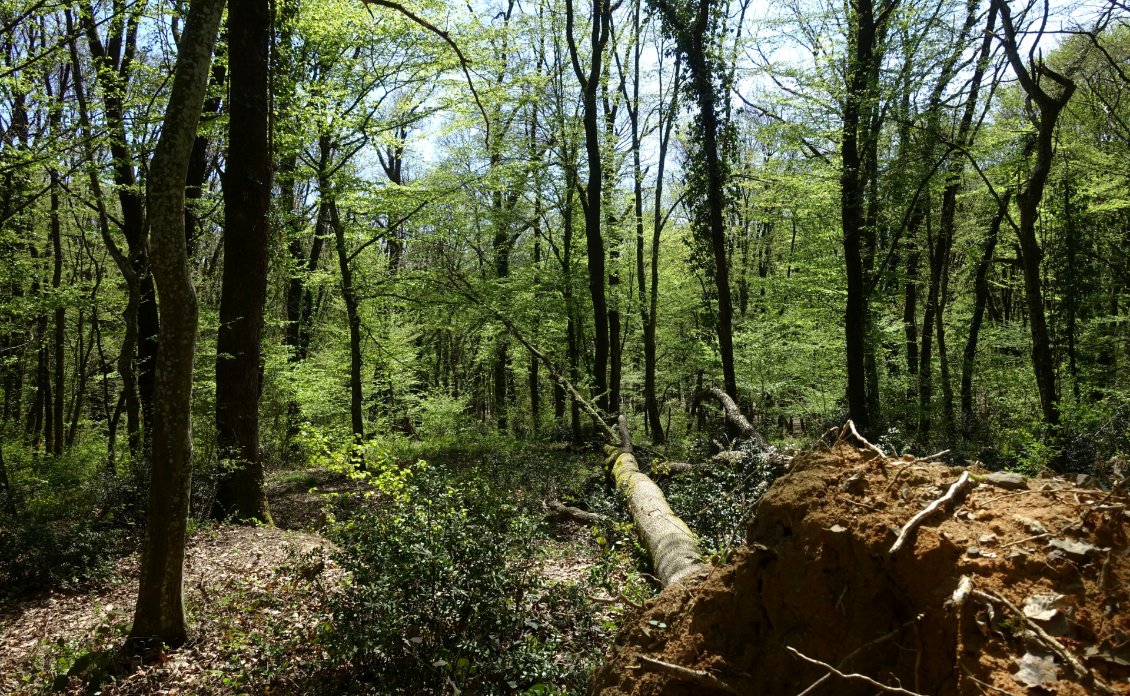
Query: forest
point(407, 346)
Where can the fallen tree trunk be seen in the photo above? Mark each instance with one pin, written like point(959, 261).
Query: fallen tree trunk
point(673, 548)
point(733, 415)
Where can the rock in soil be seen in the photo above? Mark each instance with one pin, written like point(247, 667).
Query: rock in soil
point(817, 576)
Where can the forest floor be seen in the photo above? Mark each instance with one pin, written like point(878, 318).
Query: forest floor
point(1015, 586)
point(1012, 586)
point(257, 599)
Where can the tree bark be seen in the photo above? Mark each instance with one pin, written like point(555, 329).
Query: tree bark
point(114, 61)
point(733, 415)
point(690, 31)
point(673, 548)
point(60, 323)
point(353, 316)
point(159, 617)
point(1028, 201)
point(980, 300)
point(594, 241)
point(865, 34)
point(243, 293)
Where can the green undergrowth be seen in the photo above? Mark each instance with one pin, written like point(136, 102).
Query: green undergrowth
point(73, 518)
point(447, 547)
point(718, 499)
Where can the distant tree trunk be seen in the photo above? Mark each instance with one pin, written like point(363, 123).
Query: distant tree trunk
point(198, 163)
point(594, 241)
point(39, 417)
point(6, 487)
point(59, 347)
point(910, 311)
point(114, 60)
point(502, 244)
point(649, 301)
point(867, 27)
point(572, 339)
point(247, 200)
point(690, 28)
point(980, 300)
point(159, 617)
point(1028, 201)
point(533, 376)
point(353, 315)
point(125, 361)
point(933, 324)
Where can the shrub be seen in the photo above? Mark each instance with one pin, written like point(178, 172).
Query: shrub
point(445, 592)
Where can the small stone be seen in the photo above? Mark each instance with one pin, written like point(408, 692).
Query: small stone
point(854, 485)
point(988, 539)
point(1086, 481)
point(1008, 480)
point(838, 529)
point(973, 552)
point(1031, 526)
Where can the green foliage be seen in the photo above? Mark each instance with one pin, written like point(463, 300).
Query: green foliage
point(445, 591)
point(717, 500)
point(72, 520)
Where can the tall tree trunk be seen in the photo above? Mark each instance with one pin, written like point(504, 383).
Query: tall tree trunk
point(980, 300)
point(867, 28)
point(198, 161)
point(125, 361)
point(690, 30)
point(160, 617)
point(594, 241)
point(38, 420)
point(59, 346)
point(247, 198)
point(114, 62)
point(1028, 201)
point(353, 315)
point(572, 340)
point(941, 247)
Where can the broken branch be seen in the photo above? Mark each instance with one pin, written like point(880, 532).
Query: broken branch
point(918, 519)
point(698, 677)
point(855, 433)
point(851, 676)
point(566, 512)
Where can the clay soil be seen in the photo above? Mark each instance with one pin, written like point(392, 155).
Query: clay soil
point(817, 576)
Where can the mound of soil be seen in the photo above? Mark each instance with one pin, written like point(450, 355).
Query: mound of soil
point(1043, 567)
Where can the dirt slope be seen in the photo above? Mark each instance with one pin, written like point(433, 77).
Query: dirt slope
point(818, 576)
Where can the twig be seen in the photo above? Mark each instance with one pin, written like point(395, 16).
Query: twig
point(969, 674)
point(851, 426)
point(990, 501)
point(895, 478)
point(1045, 638)
point(862, 505)
point(917, 520)
point(698, 677)
point(622, 599)
point(463, 62)
point(919, 460)
point(1021, 541)
point(851, 676)
point(850, 656)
